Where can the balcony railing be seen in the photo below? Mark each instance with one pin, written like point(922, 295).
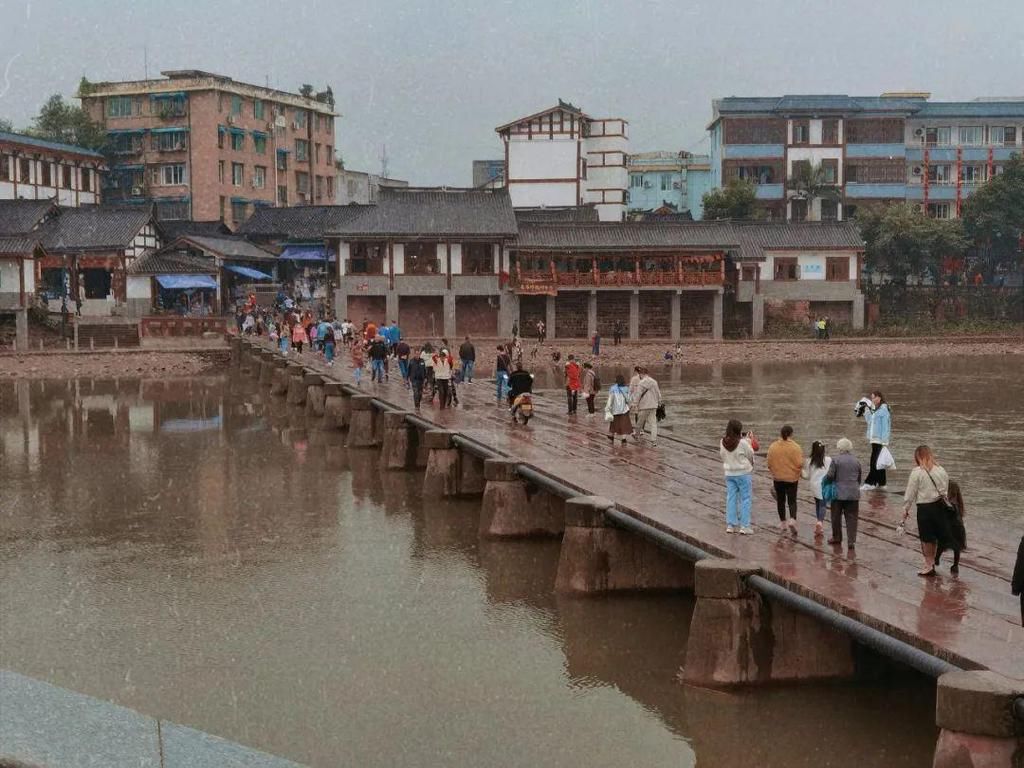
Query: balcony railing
point(544, 281)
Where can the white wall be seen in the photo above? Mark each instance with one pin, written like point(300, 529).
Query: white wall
point(533, 195)
point(139, 287)
point(344, 254)
point(398, 254)
point(812, 264)
point(456, 258)
point(9, 280)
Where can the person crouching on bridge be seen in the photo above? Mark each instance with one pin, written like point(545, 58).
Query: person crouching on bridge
point(737, 454)
point(928, 488)
point(845, 473)
point(785, 462)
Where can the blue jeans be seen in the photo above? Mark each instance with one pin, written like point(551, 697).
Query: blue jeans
point(403, 368)
point(501, 380)
point(737, 499)
point(467, 370)
point(329, 351)
point(820, 507)
point(377, 370)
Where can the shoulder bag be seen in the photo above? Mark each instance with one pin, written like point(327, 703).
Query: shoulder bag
point(947, 506)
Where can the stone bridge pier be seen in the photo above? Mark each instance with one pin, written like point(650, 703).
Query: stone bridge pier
point(364, 429)
point(509, 511)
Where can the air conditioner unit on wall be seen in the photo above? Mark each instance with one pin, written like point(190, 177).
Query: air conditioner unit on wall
point(231, 120)
point(136, 191)
point(917, 170)
point(919, 132)
point(280, 122)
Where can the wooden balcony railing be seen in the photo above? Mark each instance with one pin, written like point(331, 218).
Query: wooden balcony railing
point(543, 281)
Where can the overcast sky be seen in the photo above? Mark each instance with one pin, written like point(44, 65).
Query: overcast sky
point(431, 80)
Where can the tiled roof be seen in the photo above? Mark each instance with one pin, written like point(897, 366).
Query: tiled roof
point(94, 228)
point(229, 247)
point(615, 236)
point(576, 213)
point(1013, 109)
point(416, 212)
point(172, 229)
point(303, 223)
point(758, 237)
point(171, 262)
point(31, 141)
point(17, 245)
point(562, 106)
point(20, 216)
point(916, 107)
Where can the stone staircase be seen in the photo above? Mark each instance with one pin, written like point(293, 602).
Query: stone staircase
point(107, 335)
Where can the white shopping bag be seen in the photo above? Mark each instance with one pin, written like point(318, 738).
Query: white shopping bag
point(885, 460)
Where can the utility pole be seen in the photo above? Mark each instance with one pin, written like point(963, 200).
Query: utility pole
point(384, 161)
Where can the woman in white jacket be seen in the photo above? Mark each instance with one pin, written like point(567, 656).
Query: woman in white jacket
point(737, 454)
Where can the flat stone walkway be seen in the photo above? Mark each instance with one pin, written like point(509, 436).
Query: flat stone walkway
point(971, 621)
point(43, 725)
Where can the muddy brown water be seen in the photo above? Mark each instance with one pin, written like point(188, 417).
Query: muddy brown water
point(193, 551)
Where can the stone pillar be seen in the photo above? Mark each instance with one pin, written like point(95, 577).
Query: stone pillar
point(337, 406)
point(267, 368)
point(757, 316)
point(676, 314)
point(422, 452)
point(739, 638)
point(597, 557)
point(471, 474)
point(634, 315)
point(508, 313)
point(716, 316)
point(315, 395)
point(363, 431)
point(399, 443)
point(443, 470)
point(974, 709)
point(449, 317)
point(340, 304)
point(508, 512)
point(296, 384)
point(391, 306)
point(549, 318)
point(21, 328)
point(857, 312)
point(592, 314)
point(279, 380)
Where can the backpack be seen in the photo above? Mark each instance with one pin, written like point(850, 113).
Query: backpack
point(597, 382)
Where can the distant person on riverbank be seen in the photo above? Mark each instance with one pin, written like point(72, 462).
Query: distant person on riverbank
point(737, 454)
point(1017, 582)
point(358, 361)
point(785, 462)
point(502, 370)
point(541, 332)
point(819, 326)
point(515, 329)
point(467, 355)
point(298, 337)
point(616, 410)
point(845, 473)
point(928, 487)
point(648, 398)
point(814, 471)
point(326, 336)
point(416, 373)
point(617, 333)
point(957, 532)
point(573, 372)
point(879, 420)
point(590, 386)
point(595, 344)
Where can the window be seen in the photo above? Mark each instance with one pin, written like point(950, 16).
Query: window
point(167, 107)
point(168, 175)
point(421, 259)
point(169, 141)
point(830, 131)
point(755, 131)
point(220, 136)
point(875, 131)
point(940, 136)
point(259, 143)
point(886, 172)
point(24, 170)
point(636, 181)
point(477, 259)
point(257, 109)
point(801, 132)
point(798, 210)
point(329, 155)
point(237, 174)
point(939, 174)
point(236, 105)
point(45, 178)
point(787, 268)
point(172, 209)
point(282, 195)
point(86, 180)
point(282, 160)
point(666, 182)
point(302, 182)
point(837, 268)
point(972, 135)
point(330, 188)
point(65, 176)
point(301, 150)
point(238, 209)
point(120, 106)
point(972, 174)
point(220, 171)
point(259, 176)
point(5, 167)
point(1000, 136)
point(316, 153)
point(238, 140)
point(367, 259)
point(830, 171)
point(583, 168)
point(223, 203)
point(801, 168)
point(319, 187)
point(126, 143)
point(829, 210)
point(757, 174)
point(301, 118)
point(938, 210)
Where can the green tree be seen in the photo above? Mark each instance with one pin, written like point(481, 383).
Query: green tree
point(6, 125)
point(994, 218)
point(737, 200)
point(59, 121)
point(901, 242)
point(810, 183)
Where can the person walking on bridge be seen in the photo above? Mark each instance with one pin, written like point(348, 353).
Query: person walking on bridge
point(648, 398)
point(417, 377)
point(879, 419)
point(785, 462)
point(1017, 583)
point(467, 355)
point(815, 470)
point(737, 454)
point(616, 410)
point(928, 488)
point(845, 473)
point(572, 384)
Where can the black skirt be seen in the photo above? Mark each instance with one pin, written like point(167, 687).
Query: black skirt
point(933, 525)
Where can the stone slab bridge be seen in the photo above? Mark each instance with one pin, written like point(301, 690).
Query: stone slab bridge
point(769, 609)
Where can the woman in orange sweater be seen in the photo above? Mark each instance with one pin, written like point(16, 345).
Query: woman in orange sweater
point(785, 462)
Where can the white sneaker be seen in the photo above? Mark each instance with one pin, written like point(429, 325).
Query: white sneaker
point(867, 487)
point(746, 530)
point(730, 529)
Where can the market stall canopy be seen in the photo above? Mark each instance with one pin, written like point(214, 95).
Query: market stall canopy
point(306, 253)
point(253, 274)
point(172, 282)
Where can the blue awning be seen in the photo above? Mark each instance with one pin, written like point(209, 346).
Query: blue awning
point(283, 151)
point(237, 131)
point(306, 253)
point(240, 200)
point(259, 134)
point(127, 132)
point(172, 95)
point(221, 129)
point(174, 282)
point(169, 130)
point(253, 274)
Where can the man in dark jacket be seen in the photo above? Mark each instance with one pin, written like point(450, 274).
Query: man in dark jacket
point(467, 354)
point(518, 383)
point(378, 354)
point(417, 377)
point(1017, 583)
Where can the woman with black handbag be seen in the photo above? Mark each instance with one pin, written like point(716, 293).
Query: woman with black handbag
point(928, 488)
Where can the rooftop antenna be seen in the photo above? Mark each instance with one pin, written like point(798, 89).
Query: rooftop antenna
point(384, 161)
point(145, 62)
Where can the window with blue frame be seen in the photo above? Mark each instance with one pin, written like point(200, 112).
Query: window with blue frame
point(238, 140)
point(257, 108)
point(120, 106)
point(259, 142)
point(126, 143)
point(236, 105)
point(168, 105)
point(170, 141)
point(301, 150)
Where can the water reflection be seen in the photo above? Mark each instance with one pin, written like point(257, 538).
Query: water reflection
point(248, 575)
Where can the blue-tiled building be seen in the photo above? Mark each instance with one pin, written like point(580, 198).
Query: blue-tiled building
point(660, 181)
point(891, 148)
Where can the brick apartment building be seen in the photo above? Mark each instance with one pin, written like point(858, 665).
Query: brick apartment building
point(874, 150)
point(203, 146)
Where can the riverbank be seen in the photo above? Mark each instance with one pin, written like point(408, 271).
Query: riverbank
point(110, 364)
